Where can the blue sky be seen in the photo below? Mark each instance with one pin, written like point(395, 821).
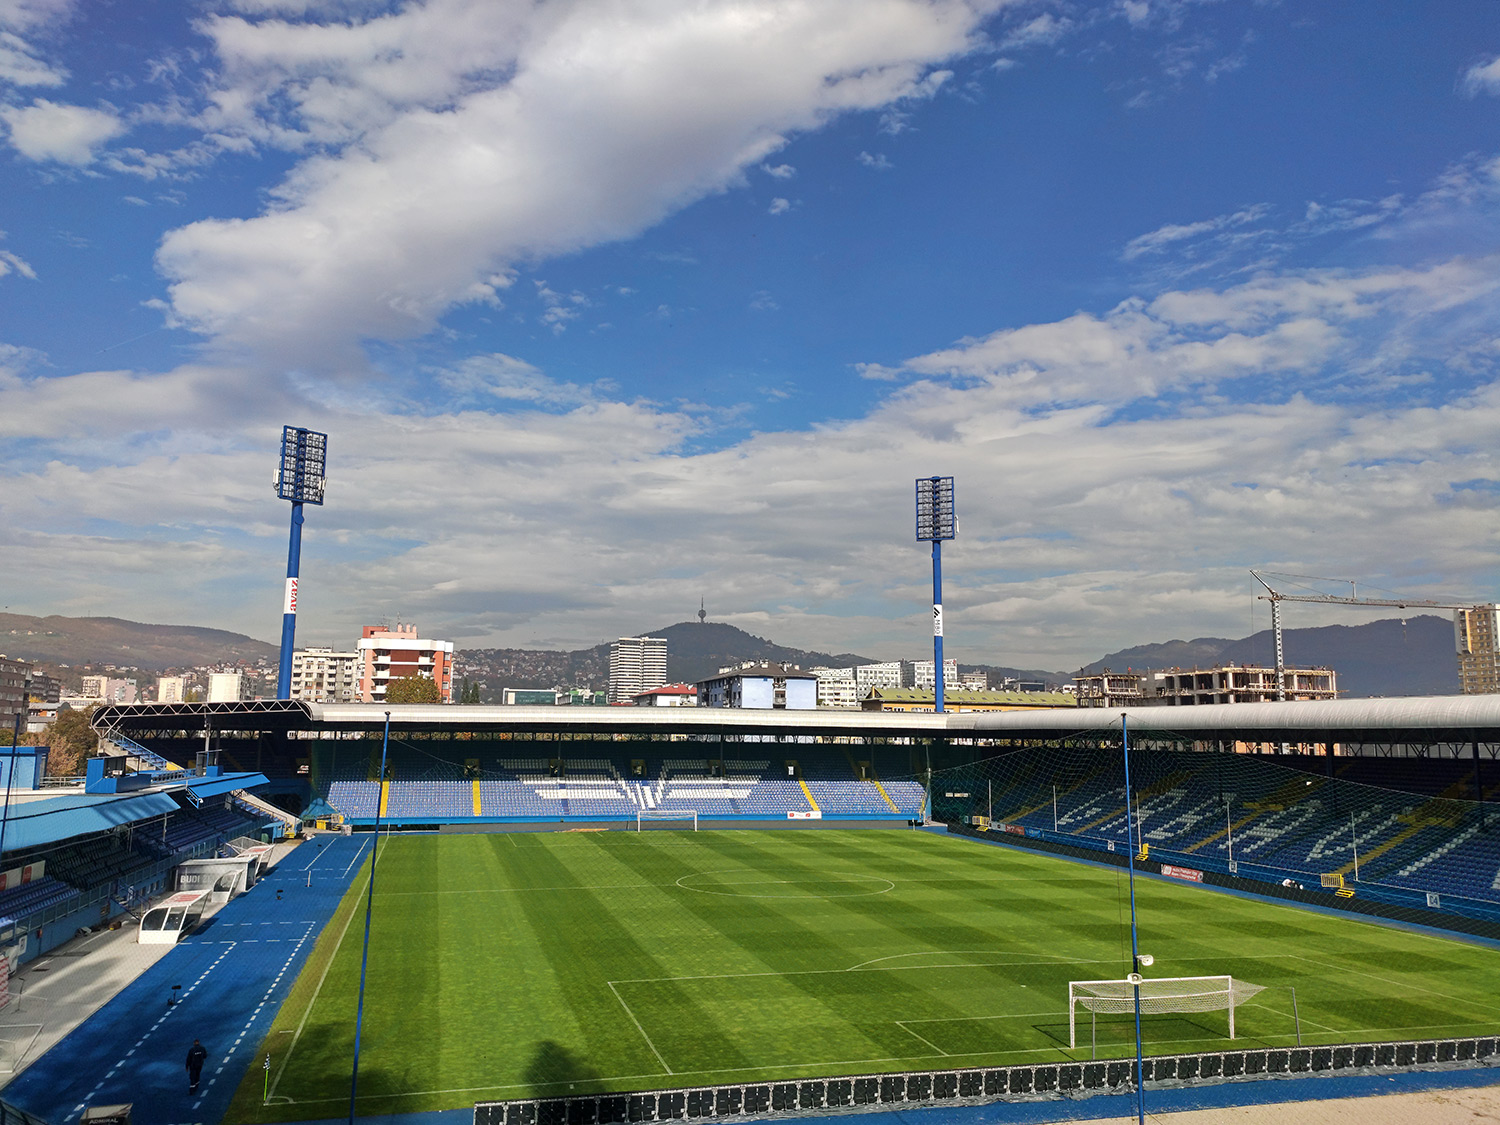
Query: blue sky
point(609, 306)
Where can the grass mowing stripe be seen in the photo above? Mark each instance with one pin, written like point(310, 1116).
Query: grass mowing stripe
point(593, 970)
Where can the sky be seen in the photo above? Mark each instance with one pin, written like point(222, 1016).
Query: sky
point(610, 306)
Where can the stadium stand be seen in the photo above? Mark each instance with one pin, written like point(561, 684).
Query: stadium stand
point(425, 789)
point(1211, 809)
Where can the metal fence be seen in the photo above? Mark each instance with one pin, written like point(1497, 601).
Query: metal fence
point(1013, 1083)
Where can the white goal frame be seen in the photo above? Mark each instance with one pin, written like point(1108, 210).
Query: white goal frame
point(666, 814)
point(1160, 994)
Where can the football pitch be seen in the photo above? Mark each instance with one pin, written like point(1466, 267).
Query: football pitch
point(522, 965)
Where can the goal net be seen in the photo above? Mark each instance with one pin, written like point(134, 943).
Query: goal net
point(684, 820)
point(1163, 994)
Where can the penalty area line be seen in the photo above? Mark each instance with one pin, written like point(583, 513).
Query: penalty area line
point(639, 1028)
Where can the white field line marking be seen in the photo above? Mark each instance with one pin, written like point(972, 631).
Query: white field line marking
point(639, 1028)
point(357, 854)
point(964, 953)
point(1288, 1015)
point(826, 972)
point(522, 890)
point(820, 1064)
point(332, 957)
point(1008, 1016)
point(778, 1066)
point(1397, 984)
point(902, 1025)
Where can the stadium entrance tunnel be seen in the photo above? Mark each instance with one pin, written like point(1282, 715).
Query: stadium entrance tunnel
point(978, 1087)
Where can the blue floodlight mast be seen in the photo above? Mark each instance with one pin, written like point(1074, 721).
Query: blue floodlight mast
point(936, 521)
point(304, 456)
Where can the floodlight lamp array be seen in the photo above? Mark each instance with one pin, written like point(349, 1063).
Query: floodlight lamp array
point(304, 455)
point(935, 512)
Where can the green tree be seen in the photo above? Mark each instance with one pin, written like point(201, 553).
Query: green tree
point(72, 741)
point(412, 689)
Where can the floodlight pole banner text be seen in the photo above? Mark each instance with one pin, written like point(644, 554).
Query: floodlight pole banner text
point(304, 456)
point(936, 521)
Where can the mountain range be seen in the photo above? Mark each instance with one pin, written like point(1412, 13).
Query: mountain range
point(1388, 657)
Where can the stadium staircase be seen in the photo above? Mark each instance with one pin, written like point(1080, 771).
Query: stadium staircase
point(138, 757)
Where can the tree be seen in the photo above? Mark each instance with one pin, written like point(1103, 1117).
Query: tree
point(412, 689)
point(72, 742)
point(469, 694)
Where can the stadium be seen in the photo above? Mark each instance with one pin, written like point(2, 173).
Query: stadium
point(582, 915)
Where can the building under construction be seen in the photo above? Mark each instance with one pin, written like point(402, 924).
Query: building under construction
point(1476, 636)
point(1227, 683)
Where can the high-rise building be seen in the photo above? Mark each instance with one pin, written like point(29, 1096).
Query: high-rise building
point(923, 677)
point(225, 687)
point(636, 664)
point(170, 689)
point(837, 687)
point(387, 654)
point(321, 675)
point(107, 690)
point(14, 677)
point(1476, 636)
point(886, 675)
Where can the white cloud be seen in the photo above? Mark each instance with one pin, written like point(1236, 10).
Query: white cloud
point(1165, 236)
point(1483, 78)
point(779, 206)
point(491, 133)
point(1041, 30)
point(22, 63)
point(13, 263)
point(499, 376)
point(878, 160)
point(779, 171)
point(67, 134)
point(1104, 470)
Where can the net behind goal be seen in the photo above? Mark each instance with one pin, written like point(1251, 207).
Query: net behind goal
point(1163, 994)
point(684, 820)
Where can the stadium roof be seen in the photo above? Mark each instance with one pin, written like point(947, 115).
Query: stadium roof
point(1443, 718)
point(201, 787)
point(38, 823)
point(1412, 719)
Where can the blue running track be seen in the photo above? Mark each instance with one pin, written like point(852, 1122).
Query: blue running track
point(234, 972)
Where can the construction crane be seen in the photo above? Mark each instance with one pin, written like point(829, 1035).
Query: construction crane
point(1276, 597)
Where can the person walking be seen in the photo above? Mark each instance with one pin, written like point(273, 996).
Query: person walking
point(197, 1055)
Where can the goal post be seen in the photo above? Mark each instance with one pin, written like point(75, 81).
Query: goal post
point(652, 816)
point(1161, 994)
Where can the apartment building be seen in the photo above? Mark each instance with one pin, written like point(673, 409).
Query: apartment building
point(386, 653)
point(324, 675)
point(636, 665)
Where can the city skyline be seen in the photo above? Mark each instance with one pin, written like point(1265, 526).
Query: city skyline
point(608, 308)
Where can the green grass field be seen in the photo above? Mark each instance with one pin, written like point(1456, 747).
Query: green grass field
point(518, 965)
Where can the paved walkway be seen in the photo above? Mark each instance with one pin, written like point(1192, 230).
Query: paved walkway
point(234, 973)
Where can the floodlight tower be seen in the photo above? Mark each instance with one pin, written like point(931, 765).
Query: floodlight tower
point(935, 522)
point(304, 455)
